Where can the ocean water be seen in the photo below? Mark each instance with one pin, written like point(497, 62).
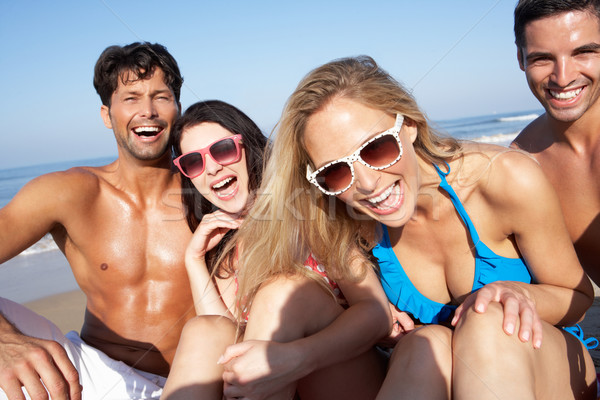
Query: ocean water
point(12, 180)
point(499, 129)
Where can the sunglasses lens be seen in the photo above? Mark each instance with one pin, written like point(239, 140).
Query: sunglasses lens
point(192, 164)
point(224, 152)
point(381, 152)
point(336, 177)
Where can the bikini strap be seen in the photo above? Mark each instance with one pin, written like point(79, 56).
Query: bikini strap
point(457, 203)
point(441, 173)
point(590, 343)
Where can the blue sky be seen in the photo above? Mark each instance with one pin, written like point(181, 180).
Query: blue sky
point(457, 56)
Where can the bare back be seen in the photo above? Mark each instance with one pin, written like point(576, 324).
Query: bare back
point(126, 251)
point(575, 175)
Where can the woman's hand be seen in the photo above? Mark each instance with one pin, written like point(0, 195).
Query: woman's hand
point(402, 323)
point(517, 303)
point(210, 231)
point(257, 369)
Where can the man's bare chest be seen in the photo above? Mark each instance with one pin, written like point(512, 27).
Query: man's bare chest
point(577, 185)
point(122, 245)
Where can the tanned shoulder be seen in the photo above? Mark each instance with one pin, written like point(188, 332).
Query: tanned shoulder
point(516, 185)
point(43, 205)
point(501, 174)
point(535, 137)
point(72, 186)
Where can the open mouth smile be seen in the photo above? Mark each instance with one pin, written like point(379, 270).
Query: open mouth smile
point(568, 95)
point(386, 193)
point(147, 131)
point(388, 201)
point(225, 188)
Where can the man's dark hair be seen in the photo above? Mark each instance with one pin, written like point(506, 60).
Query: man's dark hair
point(141, 59)
point(531, 10)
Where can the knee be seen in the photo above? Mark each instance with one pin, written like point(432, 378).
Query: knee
point(425, 348)
point(478, 333)
point(487, 324)
point(282, 289)
point(289, 307)
point(217, 329)
point(421, 365)
point(294, 299)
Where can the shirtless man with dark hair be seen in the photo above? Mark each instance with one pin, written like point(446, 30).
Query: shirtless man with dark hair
point(558, 44)
point(122, 230)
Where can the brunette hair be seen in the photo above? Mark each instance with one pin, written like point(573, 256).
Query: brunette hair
point(527, 11)
point(254, 144)
point(140, 59)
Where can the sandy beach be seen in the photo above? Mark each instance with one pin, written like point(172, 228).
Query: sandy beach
point(44, 283)
point(66, 310)
point(34, 276)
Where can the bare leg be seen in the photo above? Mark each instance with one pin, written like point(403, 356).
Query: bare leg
point(489, 364)
point(195, 373)
point(290, 308)
point(420, 366)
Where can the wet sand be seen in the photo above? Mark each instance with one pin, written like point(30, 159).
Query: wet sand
point(34, 276)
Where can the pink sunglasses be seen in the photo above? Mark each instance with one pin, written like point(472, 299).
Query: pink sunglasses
point(224, 151)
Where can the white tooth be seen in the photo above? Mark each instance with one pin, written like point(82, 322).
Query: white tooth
point(222, 183)
point(146, 129)
point(382, 196)
point(566, 95)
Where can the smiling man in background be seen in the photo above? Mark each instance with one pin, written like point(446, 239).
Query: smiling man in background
point(124, 242)
point(558, 43)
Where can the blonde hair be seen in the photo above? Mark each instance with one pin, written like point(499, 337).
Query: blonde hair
point(290, 218)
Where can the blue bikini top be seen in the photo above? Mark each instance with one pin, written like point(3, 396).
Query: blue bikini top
point(489, 267)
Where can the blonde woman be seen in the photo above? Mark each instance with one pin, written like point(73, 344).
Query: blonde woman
point(475, 258)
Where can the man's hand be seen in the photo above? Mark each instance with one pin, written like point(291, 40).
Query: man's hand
point(28, 362)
